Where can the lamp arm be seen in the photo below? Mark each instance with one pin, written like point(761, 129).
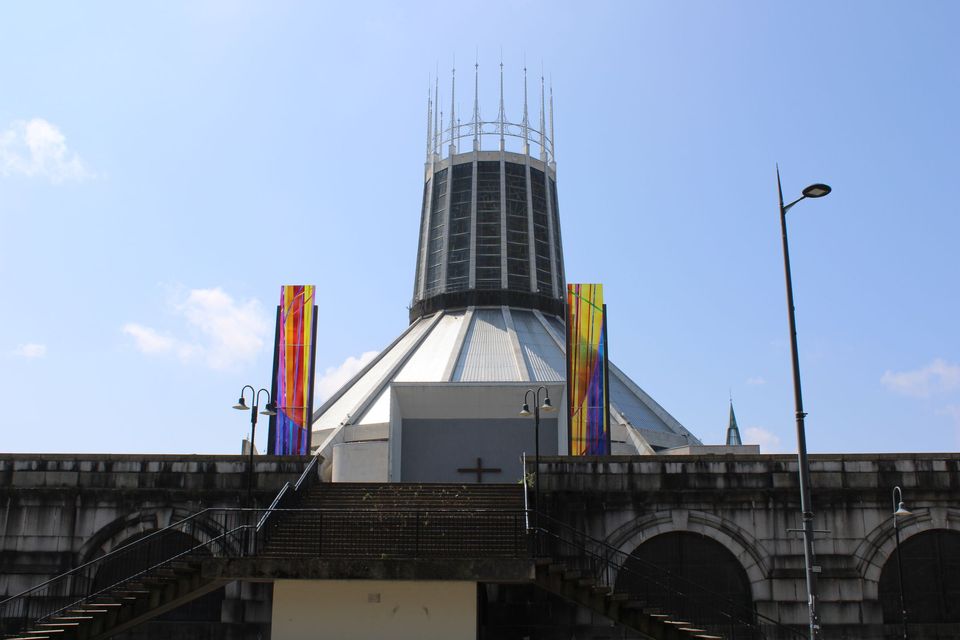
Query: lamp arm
point(787, 207)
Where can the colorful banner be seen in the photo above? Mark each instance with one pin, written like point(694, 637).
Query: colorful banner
point(587, 392)
point(293, 368)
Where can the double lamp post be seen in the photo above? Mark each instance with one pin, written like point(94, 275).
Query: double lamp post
point(268, 410)
point(546, 407)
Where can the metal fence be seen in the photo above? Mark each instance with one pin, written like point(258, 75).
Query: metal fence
point(395, 533)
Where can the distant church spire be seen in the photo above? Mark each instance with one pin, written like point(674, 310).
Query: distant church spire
point(733, 432)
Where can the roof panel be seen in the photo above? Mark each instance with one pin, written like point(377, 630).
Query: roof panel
point(543, 357)
point(633, 408)
point(352, 397)
point(430, 360)
point(487, 354)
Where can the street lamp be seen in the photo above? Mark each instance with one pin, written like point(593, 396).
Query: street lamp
point(546, 407)
point(899, 511)
point(813, 191)
point(268, 410)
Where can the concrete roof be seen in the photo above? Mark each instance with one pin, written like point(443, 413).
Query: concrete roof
point(487, 344)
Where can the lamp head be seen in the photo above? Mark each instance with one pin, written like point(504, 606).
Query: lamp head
point(816, 190)
point(525, 411)
point(547, 407)
point(902, 511)
point(269, 410)
point(241, 405)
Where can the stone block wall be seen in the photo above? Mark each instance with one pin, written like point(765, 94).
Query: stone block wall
point(59, 511)
point(748, 503)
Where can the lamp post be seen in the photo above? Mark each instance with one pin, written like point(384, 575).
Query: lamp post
point(525, 412)
point(806, 507)
point(899, 511)
point(268, 410)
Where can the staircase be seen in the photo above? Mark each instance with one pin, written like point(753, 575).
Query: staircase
point(583, 589)
point(127, 605)
point(371, 521)
point(584, 570)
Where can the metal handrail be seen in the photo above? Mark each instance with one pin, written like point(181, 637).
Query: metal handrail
point(607, 558)
point(226, 527)
point(107, 556)
point(143, 572)
point(306, 472)
point(273, 505)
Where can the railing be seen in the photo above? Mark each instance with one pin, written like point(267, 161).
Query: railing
point(656, 588)
point(397, 533)
point(208, 533)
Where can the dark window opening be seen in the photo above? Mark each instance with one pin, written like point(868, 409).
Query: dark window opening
point(682, 562)
point(458, 257)
point(488, 225)
point(437, 229)
point(931, 579)
point(518, 241)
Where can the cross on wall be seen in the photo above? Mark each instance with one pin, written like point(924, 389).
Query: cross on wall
point(479, 470)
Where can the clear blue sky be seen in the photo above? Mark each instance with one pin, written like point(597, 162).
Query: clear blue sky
point(165, 167)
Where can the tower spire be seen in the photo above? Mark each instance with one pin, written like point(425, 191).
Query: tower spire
point(526, 117)
point(476, 104)
point(502, 116)
point(437, 131)
point(454, 133)
point(429, 120)
point(733, 432)
point(553, 144)
point(543, 123)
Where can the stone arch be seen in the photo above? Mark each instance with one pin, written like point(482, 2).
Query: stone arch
point(128, 526)
point(879, 544)
point(697, 565)
point(931, 579)
point(111, 535)
point(749, 552)
point(117, 569)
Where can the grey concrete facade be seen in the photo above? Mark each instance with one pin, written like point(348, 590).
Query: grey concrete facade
point(62, 510)
point(748, 503)
point(59, 511)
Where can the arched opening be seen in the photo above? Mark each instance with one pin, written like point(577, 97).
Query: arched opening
point(203, 609)
point(715, 583)
point(931, 579)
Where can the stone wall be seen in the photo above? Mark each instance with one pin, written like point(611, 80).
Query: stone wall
point(748, 502)
point(59, 511)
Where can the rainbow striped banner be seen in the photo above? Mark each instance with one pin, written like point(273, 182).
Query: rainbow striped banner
point(294, 364)
point(587, 391)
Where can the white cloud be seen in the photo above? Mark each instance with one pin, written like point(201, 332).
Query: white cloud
point(31, 350)
point(756, 381)
point(37, 149)
point(768, 441)
point(233, 333)
point(939, 376)
point(221, 333)
point(149, 340)
point(335, 377)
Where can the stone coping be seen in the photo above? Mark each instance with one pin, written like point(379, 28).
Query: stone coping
point(739, 457)
point(268, 569)
point(159, 457)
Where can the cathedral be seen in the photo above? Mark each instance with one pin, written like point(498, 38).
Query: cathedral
point(486, 321)
point(436, 504)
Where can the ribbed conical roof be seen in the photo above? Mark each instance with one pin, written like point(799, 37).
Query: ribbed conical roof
point(495, 345)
